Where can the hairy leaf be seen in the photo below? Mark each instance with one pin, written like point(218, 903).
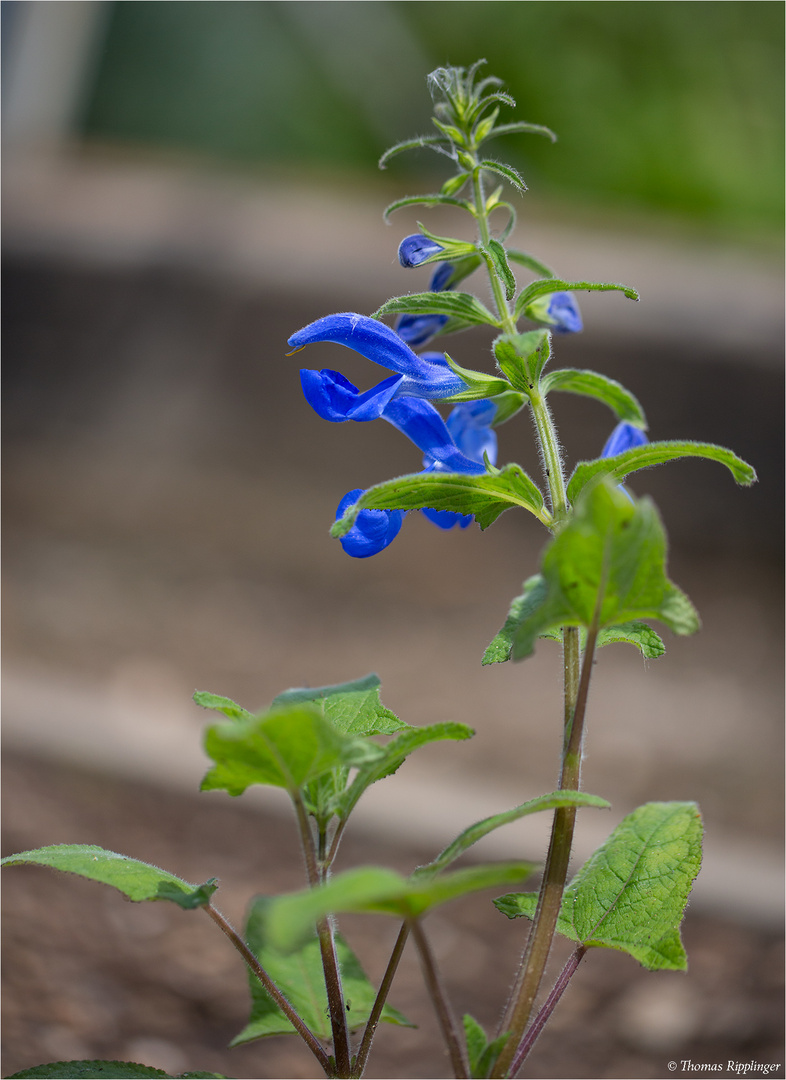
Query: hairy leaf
point(136, 880)
point(552, 285)
point(589, 383)
point(631, 894)
point(462, 306)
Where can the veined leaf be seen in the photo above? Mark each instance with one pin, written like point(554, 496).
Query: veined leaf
point(522, 357)
point(301, 979)
point(552, 285)
point(479, 384)
point(136, 880)
point(353, 708)
point(589, 383)
point(476, 832)
point(375, 889)
point(521, 609)
point(499, 266)
point(105, 1070)
point(460, 305)
point(657, 453)
point(631, 894)
point(486, 496)
point(605, 567)
point(287, 747)
point(638, 634)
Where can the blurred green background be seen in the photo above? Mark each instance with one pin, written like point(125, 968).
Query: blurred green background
point(675, 107)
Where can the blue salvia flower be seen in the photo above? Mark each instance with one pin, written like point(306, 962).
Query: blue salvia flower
point(425, 376)
point(418, 329)
point(414, 250)
point(624, 437)
point(558, 310)
point(455, 446)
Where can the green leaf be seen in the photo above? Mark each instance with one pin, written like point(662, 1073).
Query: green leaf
point(136, 880)
point(552, 285)
point(657, 453)
point(454, 184)
point(301, 979)
point(638, 634)
point(353, 708)
point(463, 306)
point(410, 144)
point(422, 200)
point(476, 832)
point(521, 609)
point(479, 384)
point(286, 747)
point(531, 263)
point(105, 1070)
point(220, 704)
point(631, 894)
point(486, 496)
point(606, 566)
point(392, 757)
point(522, 357)
point(510, 174)
point(521, 127)
point(375, 889)
point(499, 265)
point(481, 1054)
point(589, 383)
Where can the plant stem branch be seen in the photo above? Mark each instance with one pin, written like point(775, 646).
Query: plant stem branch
point(441, 1006)
point(302, 1029)
point(381, 998)
point(555, 874)
point(327, 947)
point(537, 1025)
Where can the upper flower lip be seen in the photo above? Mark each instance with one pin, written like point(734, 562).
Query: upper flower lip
point(378, 343)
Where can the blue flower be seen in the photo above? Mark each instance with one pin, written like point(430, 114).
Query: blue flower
point(455, 446)
point(414, 250)
point(624, 437)
point(558, 310)
point(425, 376)
point(373, 529)
point(418, 329)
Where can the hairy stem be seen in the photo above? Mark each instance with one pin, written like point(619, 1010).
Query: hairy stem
point(441, 1006)
point(327, 946)
point(381, 998)
point(302, 1029)
point(537, 1025)
point(536, 953)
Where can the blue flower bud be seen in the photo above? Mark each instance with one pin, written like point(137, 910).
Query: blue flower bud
point(414, 250)
point(624, 437)
point(558, 310)
point(373, 529)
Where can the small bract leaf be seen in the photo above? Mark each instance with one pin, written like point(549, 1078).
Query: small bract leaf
point(136, 880)
point(657, 453)
point(221, 704)
point(500, 267)
point(631, 894)
point(460, 305)
point(301, 979)
point(589, 383)
point(522, 357)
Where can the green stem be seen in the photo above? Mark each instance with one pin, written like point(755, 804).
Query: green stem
point(302, 1029)
point(440, 1001)
point(536, 954)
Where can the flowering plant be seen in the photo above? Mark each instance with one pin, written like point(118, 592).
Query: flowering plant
point(602, 579)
